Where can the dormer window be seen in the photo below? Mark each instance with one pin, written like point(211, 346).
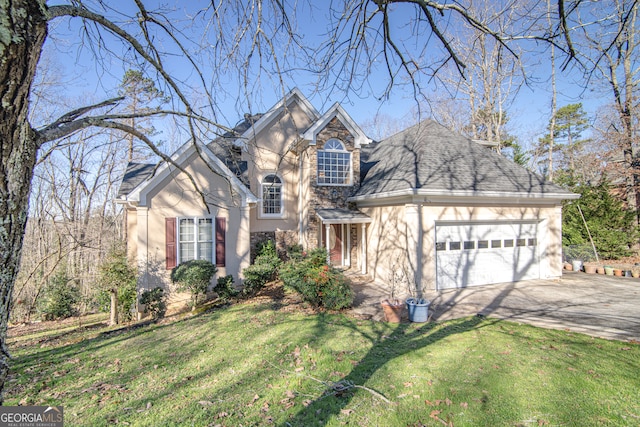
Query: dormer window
point(334, 164)
point(272, 196)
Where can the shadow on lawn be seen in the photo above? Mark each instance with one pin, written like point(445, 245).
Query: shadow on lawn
point(386, 345)
point(383, 350)
point(405, 338)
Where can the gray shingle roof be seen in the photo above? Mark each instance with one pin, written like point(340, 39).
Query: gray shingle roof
point(222, 147)
point(342, 216)
point(135, 175)
point(429, 156)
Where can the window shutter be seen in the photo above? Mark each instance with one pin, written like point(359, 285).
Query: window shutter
point(221, 230)
point(170, 246)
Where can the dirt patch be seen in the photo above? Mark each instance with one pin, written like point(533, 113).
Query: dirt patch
point(275, 295)
point(30, 328)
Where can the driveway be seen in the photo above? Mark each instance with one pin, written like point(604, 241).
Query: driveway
point(597, 305)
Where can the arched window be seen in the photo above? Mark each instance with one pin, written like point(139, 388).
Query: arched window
point(334, 164)
point(271, 195)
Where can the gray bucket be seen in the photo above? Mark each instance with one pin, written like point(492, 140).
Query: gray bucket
point(418, 310)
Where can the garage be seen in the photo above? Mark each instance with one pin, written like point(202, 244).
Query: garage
point(480, 253)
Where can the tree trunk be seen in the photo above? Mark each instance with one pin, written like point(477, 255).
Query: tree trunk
point(114, 307)
point(23, 30)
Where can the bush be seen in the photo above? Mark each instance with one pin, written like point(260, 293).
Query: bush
point(318, 283)
point(295, 252)
point(194, 276)
point(264, 269)
point(613, 227)
point(224, 288)
point(61, 296)
point(117, 274)
point(154, 302)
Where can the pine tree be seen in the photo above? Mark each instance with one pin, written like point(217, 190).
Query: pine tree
point(140, 92)
point(570, 122)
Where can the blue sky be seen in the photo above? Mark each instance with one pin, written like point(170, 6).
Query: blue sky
point(85, 80)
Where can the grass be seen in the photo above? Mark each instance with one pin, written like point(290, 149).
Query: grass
point(250, 364)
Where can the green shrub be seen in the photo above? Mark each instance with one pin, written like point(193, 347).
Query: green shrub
point(264, 269)
point(613, 227)
point(295, 252)
point(154, 302)
point(117, 273)
point(318, 283)
point(60, 298)
point(194, 276)
point(224, 288)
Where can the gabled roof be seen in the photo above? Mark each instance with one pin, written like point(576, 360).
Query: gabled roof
point(225, 149)
point(430, 160)
point(135, 175)
point(266, 119)
point(336, 111)
point(140, 184)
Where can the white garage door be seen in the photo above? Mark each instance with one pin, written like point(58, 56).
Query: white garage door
point(471, 254)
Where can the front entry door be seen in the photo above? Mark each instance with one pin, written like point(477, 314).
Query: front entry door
point(335, 243)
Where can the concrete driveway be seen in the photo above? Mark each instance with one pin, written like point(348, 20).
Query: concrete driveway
point(598, 305)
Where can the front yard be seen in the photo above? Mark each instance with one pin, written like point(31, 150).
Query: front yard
point(261, 364)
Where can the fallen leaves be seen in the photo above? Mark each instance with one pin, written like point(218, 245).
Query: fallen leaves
point(439, 402)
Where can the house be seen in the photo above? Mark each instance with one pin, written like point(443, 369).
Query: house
point(430, 203)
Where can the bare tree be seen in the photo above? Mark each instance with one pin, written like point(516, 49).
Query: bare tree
point(552, 122)
point(23, 30)
point(611, 45)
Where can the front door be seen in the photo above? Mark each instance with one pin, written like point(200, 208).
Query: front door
point(335, 243)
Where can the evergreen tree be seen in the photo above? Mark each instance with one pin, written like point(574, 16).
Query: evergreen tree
point(570, 122)
point(141, 92)
point(611, 224)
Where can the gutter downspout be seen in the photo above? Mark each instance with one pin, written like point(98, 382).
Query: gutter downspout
point(300, 214)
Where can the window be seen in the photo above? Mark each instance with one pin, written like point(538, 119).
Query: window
point(496, 243)
point(469, 244)
point(271, 196)
point(508, 243)
point(334, 164)
point(483, 244)
point(195, 239)
point(454, 246)
point(441, 246)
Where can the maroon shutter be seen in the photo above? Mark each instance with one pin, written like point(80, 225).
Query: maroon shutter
point(170, 247)
point(221, 230)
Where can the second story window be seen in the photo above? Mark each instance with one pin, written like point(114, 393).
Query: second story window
point(271, 196)
point(334, 164)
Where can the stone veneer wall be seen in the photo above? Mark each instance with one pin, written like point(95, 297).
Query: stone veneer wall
point(285, 239)
point(282, 238)
point(355, 256)
point(330, 196)
point(259, 237)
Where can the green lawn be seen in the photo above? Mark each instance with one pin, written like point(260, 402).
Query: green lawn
point(250, 364)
